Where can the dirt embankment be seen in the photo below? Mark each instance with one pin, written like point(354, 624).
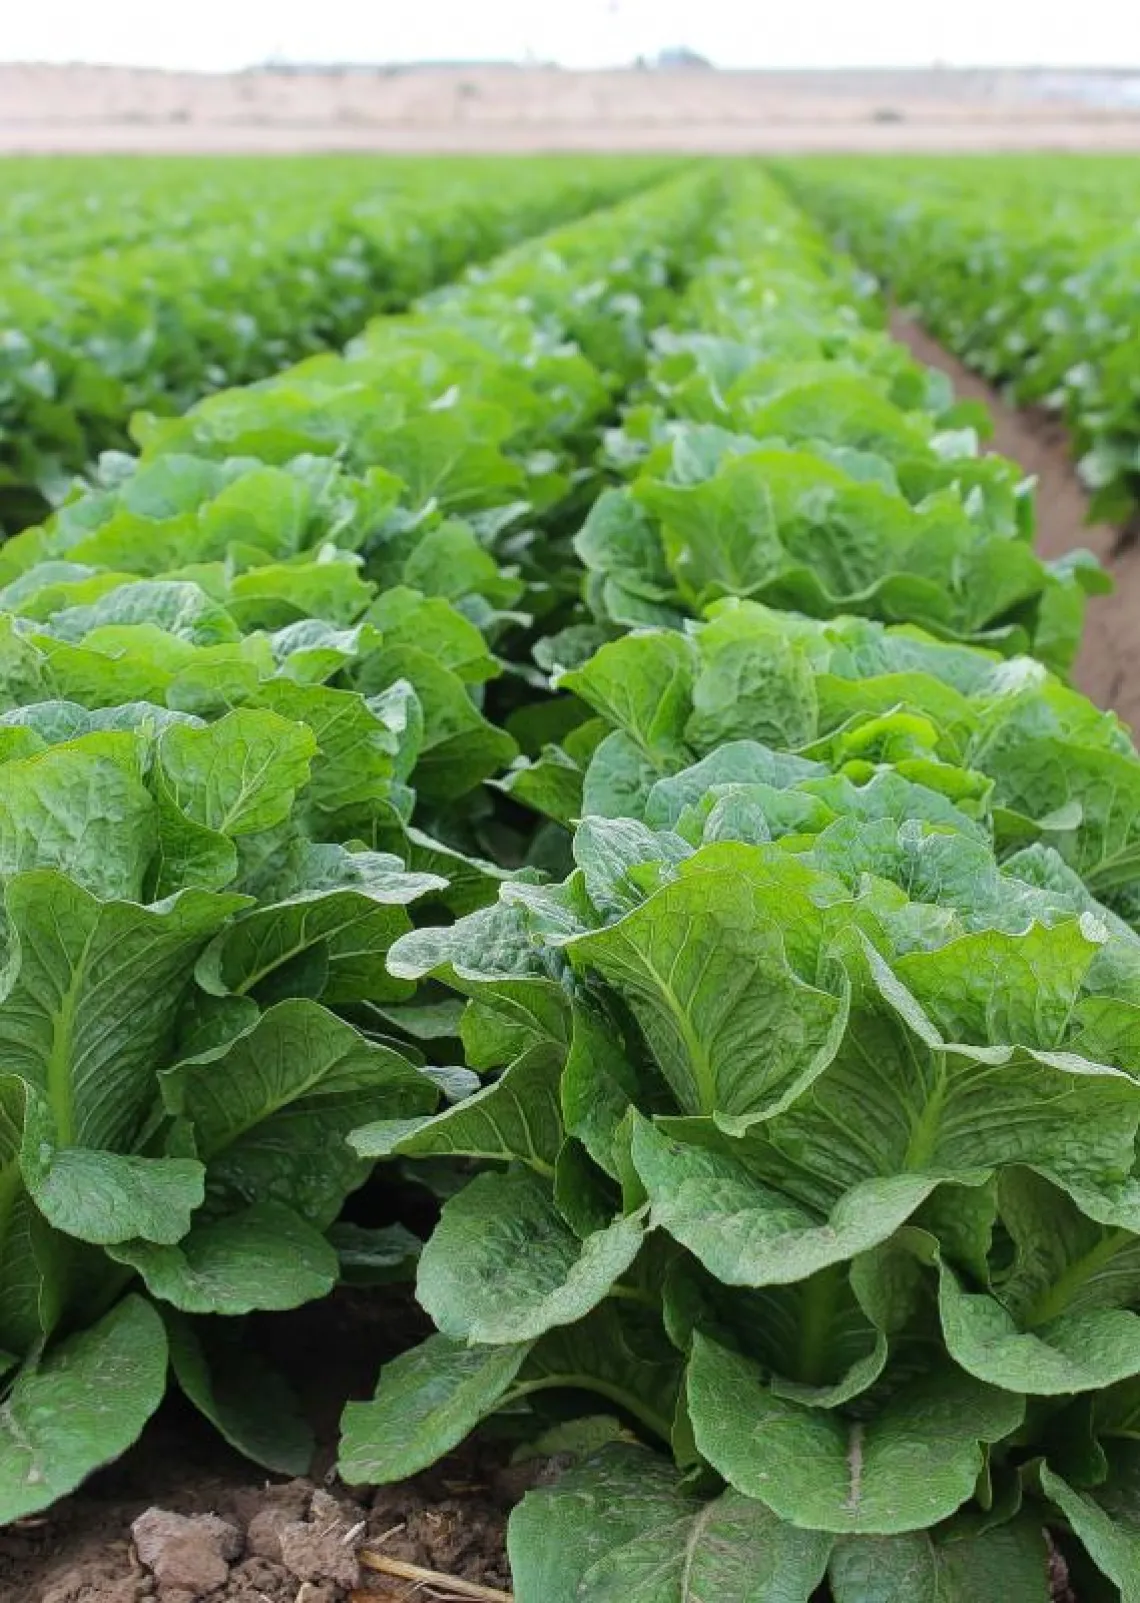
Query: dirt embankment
point(503, 107)
point(1108, 668)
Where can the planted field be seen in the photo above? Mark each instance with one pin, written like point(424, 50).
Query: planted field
point(1026, 267)
point(145, 284)
point(576, 804)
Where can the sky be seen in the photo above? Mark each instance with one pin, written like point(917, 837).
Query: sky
point(221, 34)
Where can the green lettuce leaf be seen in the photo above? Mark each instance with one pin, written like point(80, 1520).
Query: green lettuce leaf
point(80, 1406)
point(624, 1526)
point(912, 1463)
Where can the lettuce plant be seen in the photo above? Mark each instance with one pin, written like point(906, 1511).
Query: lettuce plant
point(175, 1085)
point(1001, 737)
point(813, 1133)
point(243, 684)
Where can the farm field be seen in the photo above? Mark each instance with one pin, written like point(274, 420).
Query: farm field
point(190, 276)
point(1026, 269)
point(560, 905)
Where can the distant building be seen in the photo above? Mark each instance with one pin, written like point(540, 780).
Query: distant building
point(681, 56)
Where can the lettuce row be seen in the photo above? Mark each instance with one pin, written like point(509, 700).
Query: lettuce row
point(1020, 267)
point(680, 543)
point(234, 688)
point(806, 1138)
point(787, 452)
point(229, 282)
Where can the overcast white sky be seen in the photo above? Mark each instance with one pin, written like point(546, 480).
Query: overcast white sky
point(779, 33)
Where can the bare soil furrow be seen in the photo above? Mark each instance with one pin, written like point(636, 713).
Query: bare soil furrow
point(1108, 668)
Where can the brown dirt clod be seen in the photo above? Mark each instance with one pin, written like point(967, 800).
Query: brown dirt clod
point(187, 1555)
point(270, 1512)
point(323, 1547)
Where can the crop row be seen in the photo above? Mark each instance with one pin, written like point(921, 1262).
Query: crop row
point(599, 733)
point(186, 289)
point(1026, 268)
point(225, 669)
point(60, 211)
point(803, 1071)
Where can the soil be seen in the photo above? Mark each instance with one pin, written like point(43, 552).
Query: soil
point(467, 107)
point(1108, 667)
point(182, 1518)
point(802, 135)
point(180, 1521)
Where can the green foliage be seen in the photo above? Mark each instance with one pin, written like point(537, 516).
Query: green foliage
point(148, 283)
point(675, 843)
point(869, 1096)
point(837, 992)
point(1022, 267)
point(786, 452)
point(230, 672)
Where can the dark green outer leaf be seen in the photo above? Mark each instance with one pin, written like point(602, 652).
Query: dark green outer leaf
point(503, 1266)
point(426, 1402)
point(81, 1406)
point(955, 1566)
point(621, 1528)
point(242, 1397)
point(914, 1463)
